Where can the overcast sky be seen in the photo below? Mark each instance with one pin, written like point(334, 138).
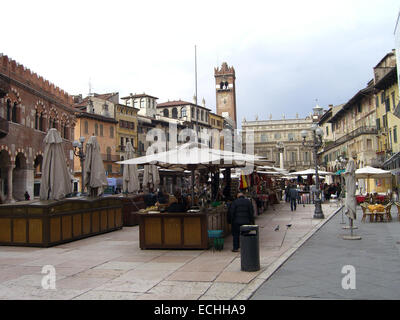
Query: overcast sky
point(286, 54)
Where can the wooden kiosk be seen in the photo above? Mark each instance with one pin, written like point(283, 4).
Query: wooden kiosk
point(48, 223)
point(181, 230)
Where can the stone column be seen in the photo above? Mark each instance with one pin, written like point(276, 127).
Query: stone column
point(10, 169)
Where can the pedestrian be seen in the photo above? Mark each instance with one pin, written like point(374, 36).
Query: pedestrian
point(240, 213)
point(27, 196)
point(293, 194)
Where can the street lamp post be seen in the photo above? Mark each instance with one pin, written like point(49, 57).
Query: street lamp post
point(315, 144)
point(78, 152)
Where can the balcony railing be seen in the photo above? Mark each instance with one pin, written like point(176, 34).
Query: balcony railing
point(355, 133)
point(3, 127)
point(110, 157)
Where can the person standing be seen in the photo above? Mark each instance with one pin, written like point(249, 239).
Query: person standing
point(240, 213)
point(27, 196)
point(293, 195)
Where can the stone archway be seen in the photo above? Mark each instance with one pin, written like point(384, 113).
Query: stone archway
point(19, 177)
point(5, 166)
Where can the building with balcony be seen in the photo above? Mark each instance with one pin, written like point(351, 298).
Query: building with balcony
point(352, 130)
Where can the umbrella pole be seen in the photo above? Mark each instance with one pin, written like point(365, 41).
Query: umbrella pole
point(192, 175)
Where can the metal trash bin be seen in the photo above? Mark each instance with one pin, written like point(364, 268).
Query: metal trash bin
point(249, 248)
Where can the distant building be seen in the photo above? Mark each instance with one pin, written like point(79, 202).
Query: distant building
point(268, 133)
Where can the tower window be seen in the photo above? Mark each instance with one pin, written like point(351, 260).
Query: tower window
point(226, 84)
point(221, 85)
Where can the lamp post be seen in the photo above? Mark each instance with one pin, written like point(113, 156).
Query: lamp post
point(315, 144)
point(78, 152)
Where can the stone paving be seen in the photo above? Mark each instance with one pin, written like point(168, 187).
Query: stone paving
point(314, 271)
point(112, 266)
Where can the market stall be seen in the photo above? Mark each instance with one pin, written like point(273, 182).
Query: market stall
point(186, 229)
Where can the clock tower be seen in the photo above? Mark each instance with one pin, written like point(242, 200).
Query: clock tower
point(226, 92)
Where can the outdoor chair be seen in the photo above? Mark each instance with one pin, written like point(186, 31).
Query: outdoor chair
point(388, 215)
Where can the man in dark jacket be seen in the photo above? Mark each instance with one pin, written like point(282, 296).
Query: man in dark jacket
point(293, 195)
point(240, 213)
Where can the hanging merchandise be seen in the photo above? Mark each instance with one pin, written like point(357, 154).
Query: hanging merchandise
point(243, 181)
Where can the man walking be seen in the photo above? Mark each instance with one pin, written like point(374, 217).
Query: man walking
point(240, 213)
point(293, 194)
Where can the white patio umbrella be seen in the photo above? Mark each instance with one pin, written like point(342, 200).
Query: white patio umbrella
point(371, 172)
point(310, 171)
point(130, 177)
point(192, 156)
point(95, 176)
point(56, 180)
point(368, 172)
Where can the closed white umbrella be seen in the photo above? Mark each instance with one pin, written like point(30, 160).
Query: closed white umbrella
point(350, 178)
point(95, 176)
point(56, 181)
point(130, 179)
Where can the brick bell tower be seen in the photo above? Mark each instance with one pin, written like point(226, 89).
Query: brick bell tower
point(225, 91)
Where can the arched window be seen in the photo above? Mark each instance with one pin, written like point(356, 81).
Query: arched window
point(202, 115)
point(36, 120)
point(111, 132)
point(142, 103)
point(41, 122)
point(166, 113)
point(8, 110)
point(221, 85)
point(96, 129)
point(183, 112)
point(14, 113)
point(66, 132)
point(86, 127)
point(174, 113)
point(101, 130)
point(197, 114)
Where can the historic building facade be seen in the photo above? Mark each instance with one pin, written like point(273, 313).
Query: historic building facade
point(268, 135)
point(127, 128)
point(29, 106)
